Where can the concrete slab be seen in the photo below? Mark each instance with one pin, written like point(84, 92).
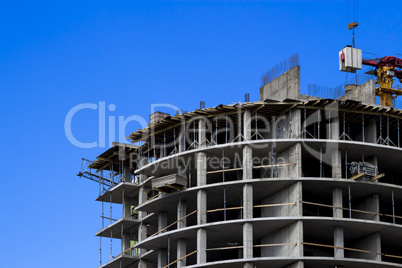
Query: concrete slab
point(265, 187)
point(116, 228)
point(386, 154)
point(130, 191)
point(313, 262)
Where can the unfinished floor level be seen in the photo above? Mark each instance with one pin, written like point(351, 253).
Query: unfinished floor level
point(287, 181)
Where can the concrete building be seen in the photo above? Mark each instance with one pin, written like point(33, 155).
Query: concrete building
point(287, 181)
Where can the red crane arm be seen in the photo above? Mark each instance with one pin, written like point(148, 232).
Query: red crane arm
point(390, 61)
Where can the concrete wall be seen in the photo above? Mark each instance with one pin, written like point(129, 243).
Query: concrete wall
point(292, 233)
point(364, 93)
point(371, 243)
point(285, 86)
point(371, 204)
point(290, 194)
point(291, 156)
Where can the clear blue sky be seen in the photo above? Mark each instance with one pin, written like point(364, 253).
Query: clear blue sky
point(57, 54)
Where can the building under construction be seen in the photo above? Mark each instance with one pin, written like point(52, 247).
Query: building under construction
point(288, 181)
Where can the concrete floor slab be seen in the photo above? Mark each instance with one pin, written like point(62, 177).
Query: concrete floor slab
point(115, 229)
point(115, 194)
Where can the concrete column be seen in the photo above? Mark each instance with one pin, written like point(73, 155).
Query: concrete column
point(127, 203)
point(371, 131)
point(180, 138)
point(247, 150)
point(336, 162)
point(181, 212)
point(126, 239)
point(142, 229)
point(295, 156)
point(181, 144)
point(161, 153)
point(247, 125)
point(201, 200)
point(201, 169)
point(247, 189)
point(247, 162)
point(297, 235)
point(201, 194)
point(142, 197)
point(337, 202)
point(335, 133)
point(296, 122)
point(181, 252)
point(248, 226)
point(273, 127)
point(126, 174)
point(126, 208)
point(338, 242)
point(201, 133)
point(125, 242)
point(142, 235)
point(162, 258)
point(248, 201)
point(162, 220)
point(201, 246)
point(202, 207)
point(162, 253)
point(248, 240)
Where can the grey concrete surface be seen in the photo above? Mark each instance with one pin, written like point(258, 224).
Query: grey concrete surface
point(285, 86)
point(364, 93)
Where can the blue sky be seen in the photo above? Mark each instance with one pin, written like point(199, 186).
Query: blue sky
point(55, 55)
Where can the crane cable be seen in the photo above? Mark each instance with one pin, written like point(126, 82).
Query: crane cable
point(355, 17)
point(355, 11)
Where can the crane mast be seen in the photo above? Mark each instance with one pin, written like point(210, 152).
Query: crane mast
point(386, 68)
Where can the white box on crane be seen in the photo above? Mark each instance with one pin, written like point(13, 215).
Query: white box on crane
point(350, 59)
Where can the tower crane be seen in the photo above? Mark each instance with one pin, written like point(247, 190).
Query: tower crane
point(386, 68)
